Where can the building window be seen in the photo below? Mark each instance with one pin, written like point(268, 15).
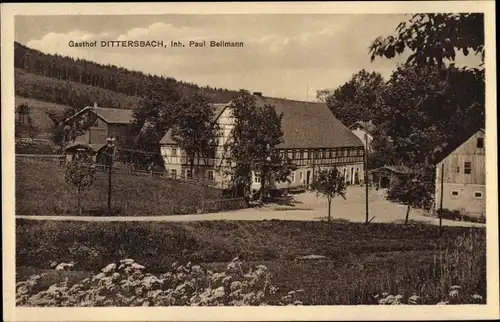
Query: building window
point(210, 175)
point(257, 177)
point(301, 176)
point(301, 154)
point(458, 169)
point(467, 167)
point(292, 179)
point(455, 193)
point(323, 154)
point(480, 143)
point(173, 173)
point(333, 153)
point(478, 195)
point(189, 173)
point(174, 152)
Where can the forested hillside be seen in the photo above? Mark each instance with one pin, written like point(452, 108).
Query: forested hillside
point(69, 93)
point(107, 77)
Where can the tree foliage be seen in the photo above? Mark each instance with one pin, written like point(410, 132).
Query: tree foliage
point(330, 183)
point(416, 190)
point(75, 82)
point(254, 138)
point(157, 112)
point(422, 110)
point(195, 130)
point(24, 124)
point(357, 99)
point(80, 173)
point(434, 38)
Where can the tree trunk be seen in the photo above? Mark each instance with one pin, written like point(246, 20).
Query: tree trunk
point(329, 209)
point(192, 167)
point(79, 201)
point(262, 186)
point(407, 215)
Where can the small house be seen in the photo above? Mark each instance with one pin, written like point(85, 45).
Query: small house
point(98, 124)
point(364, 130)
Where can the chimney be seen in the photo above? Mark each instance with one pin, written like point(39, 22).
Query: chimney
point(95, 104)
point(257, 94)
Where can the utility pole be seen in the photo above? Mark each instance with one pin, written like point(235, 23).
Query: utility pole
point(366, 177)
point(111, 152)
point(441, 197)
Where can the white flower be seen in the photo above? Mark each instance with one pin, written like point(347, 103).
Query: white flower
point(109, 269)
point(414, 299)
point(477, 297)
point(219, 292)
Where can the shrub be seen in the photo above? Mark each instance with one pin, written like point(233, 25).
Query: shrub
point(457, 215)
point(127, 284)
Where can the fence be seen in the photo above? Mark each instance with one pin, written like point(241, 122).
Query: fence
point(162, 174)
point(132, 172)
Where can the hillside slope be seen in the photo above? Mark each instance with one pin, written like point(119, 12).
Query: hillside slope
point(69, 93)
point(109, 77)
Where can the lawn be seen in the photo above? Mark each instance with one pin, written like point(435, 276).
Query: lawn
point(41, 190)
point(361, 260)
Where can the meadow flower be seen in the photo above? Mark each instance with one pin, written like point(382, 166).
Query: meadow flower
point(414, 299)
point(109, 269)
point(476, 298)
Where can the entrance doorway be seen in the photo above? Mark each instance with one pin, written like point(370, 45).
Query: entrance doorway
point(308, 178)
point(385, 182)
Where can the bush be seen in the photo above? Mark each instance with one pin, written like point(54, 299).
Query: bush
point(457, 215)
point(126, 284)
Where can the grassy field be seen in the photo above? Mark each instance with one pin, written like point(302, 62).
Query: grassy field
point(42, 190)
point(361, 260)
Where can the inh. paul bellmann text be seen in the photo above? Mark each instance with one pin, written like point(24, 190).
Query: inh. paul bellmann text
point(155, 44)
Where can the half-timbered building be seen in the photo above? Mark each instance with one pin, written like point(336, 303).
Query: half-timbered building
point(313, 139)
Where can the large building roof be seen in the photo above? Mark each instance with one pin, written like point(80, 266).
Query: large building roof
point(310, 125)
point(305, 125)
point(109, 115)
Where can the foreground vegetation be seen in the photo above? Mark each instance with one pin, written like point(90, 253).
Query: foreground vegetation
point(360, 264)
point(42, 190)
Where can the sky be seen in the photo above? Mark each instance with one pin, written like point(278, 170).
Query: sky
point(288, 55)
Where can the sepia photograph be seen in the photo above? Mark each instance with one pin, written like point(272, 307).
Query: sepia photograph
point(251, 159)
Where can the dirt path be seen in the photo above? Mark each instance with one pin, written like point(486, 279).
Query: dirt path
point(307, 207)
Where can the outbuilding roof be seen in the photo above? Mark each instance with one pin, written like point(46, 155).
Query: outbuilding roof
point(397, 169)
point(109, 115)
